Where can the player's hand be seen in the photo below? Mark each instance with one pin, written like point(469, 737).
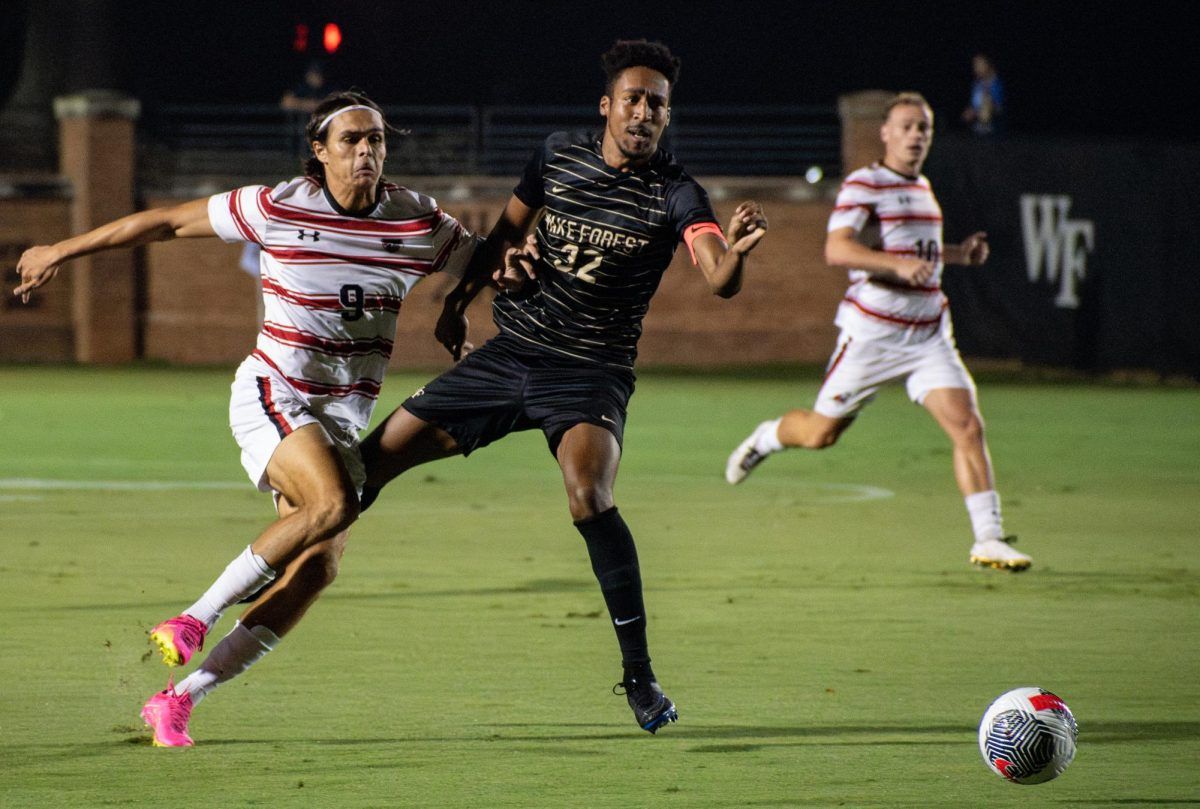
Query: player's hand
point(519, 266)
point(975, 250)
point(37, 266)
point(451, 332)
point(914, 271)
point(747, 220)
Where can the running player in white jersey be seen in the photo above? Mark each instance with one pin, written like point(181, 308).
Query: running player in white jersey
point(886, 229)
point(341, 248)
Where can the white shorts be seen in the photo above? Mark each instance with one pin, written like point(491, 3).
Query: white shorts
point(858, 367)
point(264, 410)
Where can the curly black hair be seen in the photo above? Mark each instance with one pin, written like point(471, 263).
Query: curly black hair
point(627, 53)
point(331, 103)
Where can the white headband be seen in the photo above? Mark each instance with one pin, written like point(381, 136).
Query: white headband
point(338, 112)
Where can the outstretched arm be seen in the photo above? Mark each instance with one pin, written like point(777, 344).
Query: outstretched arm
point(971, 251)
point(506, 260)
point(723, 264)
point(38, 265)
point(842, 249)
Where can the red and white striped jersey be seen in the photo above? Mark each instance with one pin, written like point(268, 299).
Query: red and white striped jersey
point(332, 284)
point(897, 214)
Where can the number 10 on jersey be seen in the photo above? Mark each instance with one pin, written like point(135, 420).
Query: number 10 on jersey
point(579, 263)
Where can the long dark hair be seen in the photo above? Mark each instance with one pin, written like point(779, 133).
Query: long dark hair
point(332, 103)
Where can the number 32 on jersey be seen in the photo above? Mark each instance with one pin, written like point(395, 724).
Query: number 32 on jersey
point(579, 263)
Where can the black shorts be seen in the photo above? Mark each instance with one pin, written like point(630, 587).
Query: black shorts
point(504, 387)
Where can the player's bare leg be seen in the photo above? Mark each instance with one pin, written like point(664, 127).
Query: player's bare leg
point(318, 503)
point(957, 413)
point(810, 430)
point(401, 442)
point(308, 471)
point(796, 428)
point(285, 601)
point(589, 457)
point(276, 611)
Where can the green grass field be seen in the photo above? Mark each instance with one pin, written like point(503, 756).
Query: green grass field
point(819, 627)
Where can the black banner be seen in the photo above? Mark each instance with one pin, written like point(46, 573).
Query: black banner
point(1094, 251)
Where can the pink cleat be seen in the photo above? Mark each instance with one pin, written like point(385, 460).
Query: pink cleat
point(179, 638)
point(167, 714)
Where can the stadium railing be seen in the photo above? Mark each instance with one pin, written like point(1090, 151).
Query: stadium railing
point(192, 144)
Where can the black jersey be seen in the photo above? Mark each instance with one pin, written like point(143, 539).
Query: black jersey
point(605, 238)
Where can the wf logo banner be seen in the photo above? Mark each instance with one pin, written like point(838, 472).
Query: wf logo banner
point(1056, 246)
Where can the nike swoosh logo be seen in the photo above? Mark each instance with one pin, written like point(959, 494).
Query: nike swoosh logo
point(619, 622)
point(557, 189)
point(610, 421)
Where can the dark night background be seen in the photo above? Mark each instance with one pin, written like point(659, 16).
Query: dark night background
point(1068, 68)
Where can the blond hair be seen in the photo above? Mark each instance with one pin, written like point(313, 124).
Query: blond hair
point(908, 97)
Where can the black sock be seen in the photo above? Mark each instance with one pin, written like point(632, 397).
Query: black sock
point(615, 563)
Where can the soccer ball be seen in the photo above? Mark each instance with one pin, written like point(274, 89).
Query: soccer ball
point(1028, 736)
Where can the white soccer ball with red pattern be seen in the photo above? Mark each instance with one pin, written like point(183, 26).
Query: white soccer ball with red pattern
point(1028, 736)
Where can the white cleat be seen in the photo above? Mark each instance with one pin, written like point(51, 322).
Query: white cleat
point(743, 460)
point(999, 554)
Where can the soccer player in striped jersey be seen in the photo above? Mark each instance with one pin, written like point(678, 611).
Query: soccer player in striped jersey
point(610, 210)
point(886, 228)
point(341, 249)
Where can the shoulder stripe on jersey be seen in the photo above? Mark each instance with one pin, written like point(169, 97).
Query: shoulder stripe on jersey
point(595, 162)
point(439, 261)
point(610, 212)
point(235, 210)
point(885, 186)
point(364, 386)
point(264, 197)
point(562, 170)
point(606, 169)
point(408, 266)
point(611, 197)
point(415, 226)
point(603, 174)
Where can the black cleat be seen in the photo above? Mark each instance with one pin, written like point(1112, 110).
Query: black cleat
point(651, 707)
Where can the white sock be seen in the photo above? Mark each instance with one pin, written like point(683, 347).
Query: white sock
point(237, 651)
point(984, 508)
point(244, 577)
point(766, 437)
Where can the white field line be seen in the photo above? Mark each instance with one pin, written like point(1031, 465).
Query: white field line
point(806, 491)
point(810, 491)
point(45, 484)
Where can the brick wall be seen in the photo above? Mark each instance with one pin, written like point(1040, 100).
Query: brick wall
point(41, 330)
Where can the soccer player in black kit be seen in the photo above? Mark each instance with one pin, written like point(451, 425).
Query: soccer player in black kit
point(613, 207)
